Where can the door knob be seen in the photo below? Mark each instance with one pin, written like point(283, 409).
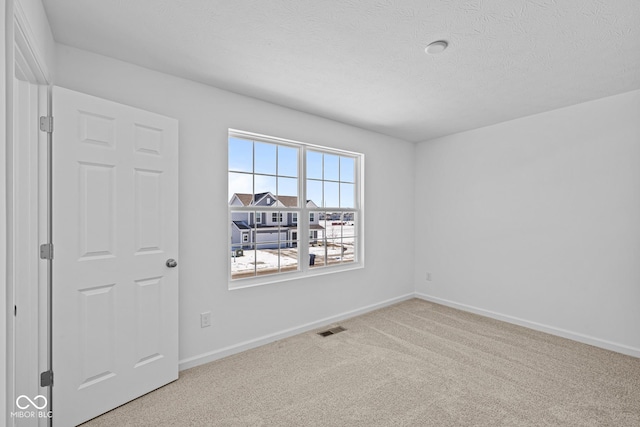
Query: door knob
point(171, 263)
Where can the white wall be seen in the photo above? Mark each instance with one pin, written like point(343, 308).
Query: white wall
point(537, 220)
point(205, 114)
point(4, 383)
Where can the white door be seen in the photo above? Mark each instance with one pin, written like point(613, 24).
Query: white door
point(115, 225)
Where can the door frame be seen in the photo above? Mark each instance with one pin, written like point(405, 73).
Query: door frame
point(26, 62)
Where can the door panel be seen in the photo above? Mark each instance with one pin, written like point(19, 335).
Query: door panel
point(97, 210)
point(115, 225)
point(148, 211)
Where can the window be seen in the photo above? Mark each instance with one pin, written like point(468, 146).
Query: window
point(283, 179)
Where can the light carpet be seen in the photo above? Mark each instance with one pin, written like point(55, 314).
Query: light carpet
point(411, 364)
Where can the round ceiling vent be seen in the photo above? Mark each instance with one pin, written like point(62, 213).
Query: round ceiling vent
point(436, 47)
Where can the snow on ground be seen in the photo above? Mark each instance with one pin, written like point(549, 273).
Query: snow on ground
point(268, 258)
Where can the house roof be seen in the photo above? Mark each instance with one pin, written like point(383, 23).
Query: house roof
point(244, 198)
point(260, 196)
point(288, 201)
point(242, 225)
point(249, 199)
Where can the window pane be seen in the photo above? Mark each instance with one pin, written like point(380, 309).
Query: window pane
point(331, 195)
point(334, 251)
point(265, 158)
point(267, 261)
point(289, 257)
point(349, 254)
point(288, 187)
point(242, 261)
point(240, 183)
point(348, 227)
point(325, 223)
point(275, 219)
point(347, 195)
point(316, 256)
point(241, 229)
point(314, 165)
point(331, 167)
point(265, 183)
point(316, 228)
point(314, 192)
point(291, 219)
point(287, 161)
point(333, 226)
point(317, 249)
point(240, 155)
point(347, 169)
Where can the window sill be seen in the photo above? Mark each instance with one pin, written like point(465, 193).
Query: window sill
point(295, 275)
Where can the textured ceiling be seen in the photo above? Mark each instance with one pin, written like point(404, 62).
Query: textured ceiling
point(362, 62)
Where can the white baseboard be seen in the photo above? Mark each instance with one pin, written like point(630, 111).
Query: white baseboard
point(586, 339)
point(200, 359)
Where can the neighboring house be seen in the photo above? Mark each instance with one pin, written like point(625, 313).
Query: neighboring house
point(345, 217)
point(269, 229)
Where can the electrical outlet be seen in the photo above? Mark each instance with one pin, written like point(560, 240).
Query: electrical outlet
point(205, 319)
point(428, 276)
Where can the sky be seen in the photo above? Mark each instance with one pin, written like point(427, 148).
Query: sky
point(330, 178)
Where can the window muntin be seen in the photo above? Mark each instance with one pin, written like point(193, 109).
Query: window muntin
point(266, 172)
point(331, 179)
point(261, 168)
point(265, 249)
point(336, 239)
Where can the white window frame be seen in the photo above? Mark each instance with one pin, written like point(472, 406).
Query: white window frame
point(258, 217)
point(294, 218)
point(304, 227)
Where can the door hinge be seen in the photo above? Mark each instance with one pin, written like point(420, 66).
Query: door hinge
point(46, 124)
point(46, 379)
point(46, 251)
